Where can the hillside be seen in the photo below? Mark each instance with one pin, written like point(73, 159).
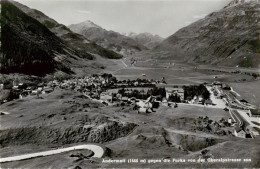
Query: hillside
point(29, 47)
point(229, 37)
point(108, 39)
point(75, 40)
point(147, 39)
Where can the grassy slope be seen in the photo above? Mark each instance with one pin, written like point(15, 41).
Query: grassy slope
point(28, 46)
point(227, 37)
point(73, 39)
point(149, 140)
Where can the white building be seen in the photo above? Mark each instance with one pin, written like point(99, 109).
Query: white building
point(238, 132)
point(106, 96)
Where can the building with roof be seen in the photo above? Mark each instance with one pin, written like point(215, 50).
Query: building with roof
point(239, 132)
point(106, 96)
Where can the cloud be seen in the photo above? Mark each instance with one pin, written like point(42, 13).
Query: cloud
point(84, 11)
point(200, 16)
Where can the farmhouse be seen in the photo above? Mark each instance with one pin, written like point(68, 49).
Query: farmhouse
point(124, 99)
point(164, 102)
point(208, 102)
point(106, 96)
point(143, 104)
point(142, 110)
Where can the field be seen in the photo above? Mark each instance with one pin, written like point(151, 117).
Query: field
point(249, 91)
point(176, 73)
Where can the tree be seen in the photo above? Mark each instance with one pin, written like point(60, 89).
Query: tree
point(191, 91)
point(121, 91)
point(174, 98)
point(255, 75)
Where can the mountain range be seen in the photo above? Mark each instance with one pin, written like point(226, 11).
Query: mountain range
point(228, 37)
point(33, 43)
point(108, 39)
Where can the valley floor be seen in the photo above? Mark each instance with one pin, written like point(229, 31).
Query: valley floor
point(67, 118)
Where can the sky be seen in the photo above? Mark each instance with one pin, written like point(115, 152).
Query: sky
point(161, 17)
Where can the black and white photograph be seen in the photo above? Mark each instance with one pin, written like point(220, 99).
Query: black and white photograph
point(129, 84)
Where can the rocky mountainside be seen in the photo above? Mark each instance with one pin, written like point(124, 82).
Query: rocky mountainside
point(147, 39)
point(82, 44)
point(108, 39)
point(29, 47)
point(229, 37)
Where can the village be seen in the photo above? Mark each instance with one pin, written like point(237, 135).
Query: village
point(147, 95)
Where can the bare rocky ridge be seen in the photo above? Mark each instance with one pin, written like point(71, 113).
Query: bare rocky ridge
point(108, 39)
point(228, 37)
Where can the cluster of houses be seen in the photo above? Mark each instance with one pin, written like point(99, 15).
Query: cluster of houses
point(225, 92)
point(105, 88)
point(101, 87)
point(215, 127)
point(20, 90)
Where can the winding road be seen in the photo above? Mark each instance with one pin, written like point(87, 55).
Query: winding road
point(98, 153)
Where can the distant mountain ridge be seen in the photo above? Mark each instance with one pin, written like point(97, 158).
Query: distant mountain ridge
point(229, 37)
point(147, 39)
point(108, 39)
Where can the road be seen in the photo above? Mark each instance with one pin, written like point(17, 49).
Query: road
point(238, 120)
point(249, 119)
point(219, 103)
point(124, 63)
point(98, 152)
